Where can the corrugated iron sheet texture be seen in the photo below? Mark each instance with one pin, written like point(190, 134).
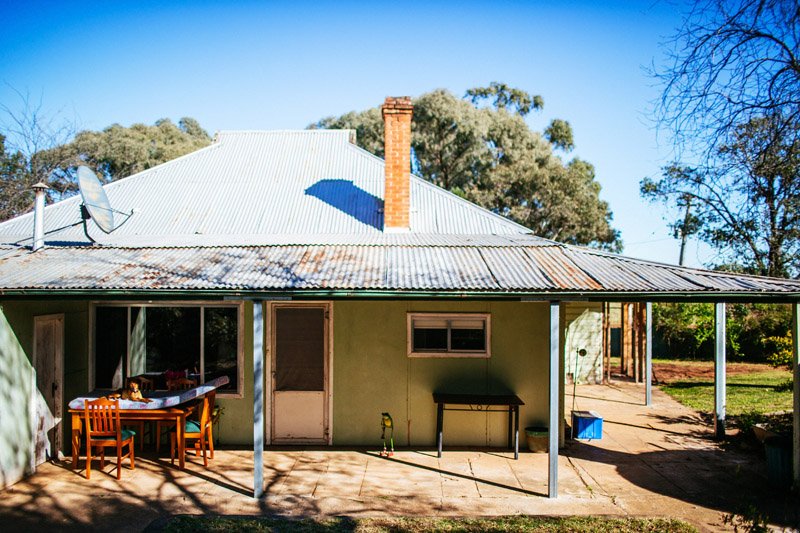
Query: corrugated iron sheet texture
point(444, 268)
point(258, 183)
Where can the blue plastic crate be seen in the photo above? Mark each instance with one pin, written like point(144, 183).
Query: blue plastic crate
point(587, 425)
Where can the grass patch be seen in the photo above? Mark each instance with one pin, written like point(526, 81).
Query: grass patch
point(757, 392)
point(188, 524)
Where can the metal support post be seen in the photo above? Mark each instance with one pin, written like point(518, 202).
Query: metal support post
point(258, 399)
point(554, 425)
point(648, 356)
point(796, 399)
point(719, 371)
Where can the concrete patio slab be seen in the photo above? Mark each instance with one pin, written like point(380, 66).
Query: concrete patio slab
point(657, 461)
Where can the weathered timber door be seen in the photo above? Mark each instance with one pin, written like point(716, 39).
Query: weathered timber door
point(300, 370)
point(48, 354)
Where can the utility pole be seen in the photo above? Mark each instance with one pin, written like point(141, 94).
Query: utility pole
point(684, 228)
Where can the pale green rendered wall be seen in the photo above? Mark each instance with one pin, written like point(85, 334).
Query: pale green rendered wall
point(372, 373)
point(16, 375)
point(236, 424)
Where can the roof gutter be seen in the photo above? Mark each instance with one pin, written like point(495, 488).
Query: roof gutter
point(596, 296)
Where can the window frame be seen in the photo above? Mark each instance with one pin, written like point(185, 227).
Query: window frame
point(449, 353)
point(238, 305)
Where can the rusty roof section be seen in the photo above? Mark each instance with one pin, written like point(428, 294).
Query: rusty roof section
point(485, 265)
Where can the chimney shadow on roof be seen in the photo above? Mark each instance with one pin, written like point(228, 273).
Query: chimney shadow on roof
point(349, 199)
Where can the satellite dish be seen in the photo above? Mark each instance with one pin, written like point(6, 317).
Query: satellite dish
point(95, 203)
point(95, 200)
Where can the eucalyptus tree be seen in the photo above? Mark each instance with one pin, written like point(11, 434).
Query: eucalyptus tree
point(489, 155)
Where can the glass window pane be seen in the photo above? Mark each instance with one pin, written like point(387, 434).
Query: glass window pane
point(430, 340)
point(468, 339)
point(172, 339)
point(110, 346)
point(221, 349)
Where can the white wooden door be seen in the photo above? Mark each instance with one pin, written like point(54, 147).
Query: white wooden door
point(48, 354)
point(300, 368)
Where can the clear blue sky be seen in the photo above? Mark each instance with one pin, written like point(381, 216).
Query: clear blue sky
point(283, 65)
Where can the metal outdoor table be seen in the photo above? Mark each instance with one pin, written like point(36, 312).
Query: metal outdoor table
point(482, 403)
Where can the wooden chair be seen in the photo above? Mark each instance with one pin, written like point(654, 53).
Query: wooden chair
point(103, 429)
point(200, 431)
point(172, 385)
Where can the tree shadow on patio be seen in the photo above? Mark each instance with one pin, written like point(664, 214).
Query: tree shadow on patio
point(729, 481)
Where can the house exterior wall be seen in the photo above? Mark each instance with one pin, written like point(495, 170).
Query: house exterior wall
point(236, 423)
point(17, 378)
point(372, 373)
point(584, 330)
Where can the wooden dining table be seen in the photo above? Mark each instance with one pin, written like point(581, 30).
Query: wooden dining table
point(166, 406)
point(169, 414)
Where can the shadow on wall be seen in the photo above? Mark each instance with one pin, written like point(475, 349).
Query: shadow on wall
point(471, 383)
point(349, 199)
point(16, 381)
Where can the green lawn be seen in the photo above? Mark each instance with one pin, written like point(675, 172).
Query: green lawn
point(186, 524)
point(757, 392)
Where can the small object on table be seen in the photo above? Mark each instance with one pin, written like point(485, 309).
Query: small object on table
point(472, 403)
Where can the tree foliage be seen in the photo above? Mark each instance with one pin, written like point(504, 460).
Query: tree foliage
point(502, 96)
point(119, 151)
point(754, 332)
point(16, 196)
point(47, 149)
point(731, 62)
point(30, 137)
point(747, 205)
point(489, 155)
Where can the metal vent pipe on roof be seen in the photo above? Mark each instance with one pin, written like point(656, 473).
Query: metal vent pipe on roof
point(38, 215)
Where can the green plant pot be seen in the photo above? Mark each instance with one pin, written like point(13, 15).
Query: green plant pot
point(537, 438)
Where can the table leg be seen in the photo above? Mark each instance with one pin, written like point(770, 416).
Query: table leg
point(510, 426)
point(76, 439)
point(439, 428)
point(516, 432)
point(181, 440)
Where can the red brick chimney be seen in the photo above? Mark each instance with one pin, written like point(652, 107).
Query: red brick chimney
point(397, 113)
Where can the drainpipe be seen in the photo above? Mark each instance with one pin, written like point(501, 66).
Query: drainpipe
point(38, 216)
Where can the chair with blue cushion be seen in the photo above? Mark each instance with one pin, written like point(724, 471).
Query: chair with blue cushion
point(103, 429)
point(198, 430)
point(172, 385)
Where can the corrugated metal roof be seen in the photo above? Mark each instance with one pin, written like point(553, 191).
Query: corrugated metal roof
point(313, 182)
point(509, 268)
point(302, 211)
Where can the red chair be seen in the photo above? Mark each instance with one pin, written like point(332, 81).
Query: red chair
point(103, 429)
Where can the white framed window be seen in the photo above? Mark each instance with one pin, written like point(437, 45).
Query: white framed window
point(202, 341)
point(449, 335)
